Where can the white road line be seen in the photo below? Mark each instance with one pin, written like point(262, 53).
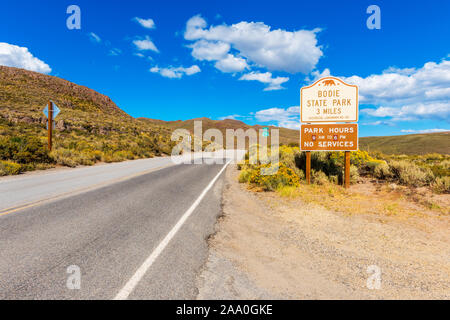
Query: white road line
point(133, 282)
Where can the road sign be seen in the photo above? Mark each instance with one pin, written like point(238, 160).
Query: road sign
point(265, 132)
point(329, 137)
point(56, 110)
point(329, 100)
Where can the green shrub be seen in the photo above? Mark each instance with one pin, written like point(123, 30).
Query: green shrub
point(23, 149)
point(318, 177)
point(288, 157)
point(278, 178)
point(441, 185)
point(64, 157)
point(354, 174)
point(8, 168)
point(334, 179)
point(244, 176)
point(382, 171)
point(409, 174)
point(320, 161)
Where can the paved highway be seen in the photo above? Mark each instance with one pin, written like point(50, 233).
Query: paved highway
point(134, 230)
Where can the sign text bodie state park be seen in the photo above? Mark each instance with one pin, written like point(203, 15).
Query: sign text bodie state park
point(329, 100)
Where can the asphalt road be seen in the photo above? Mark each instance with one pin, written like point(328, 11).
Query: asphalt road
point(135, 230)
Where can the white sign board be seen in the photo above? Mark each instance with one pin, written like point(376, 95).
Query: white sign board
point(329, 100)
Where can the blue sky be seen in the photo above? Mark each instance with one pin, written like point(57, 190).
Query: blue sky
point(242, 59)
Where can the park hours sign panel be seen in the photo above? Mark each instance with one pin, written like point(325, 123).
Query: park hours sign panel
point(329, 100)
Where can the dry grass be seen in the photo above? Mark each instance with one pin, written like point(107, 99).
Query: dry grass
point(366, 198)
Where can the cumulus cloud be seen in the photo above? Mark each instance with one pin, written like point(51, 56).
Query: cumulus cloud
point(407, 94)
point(316, 74)
point(146, 44)
point(146, 23)
point(19, 57)
point(231, 64)
point(94, 38)
point(266, 77)
point(210, 50)
point(286, 118)
point(280, 117)
point(415, 111)
point(276, 50)
point(176, 72)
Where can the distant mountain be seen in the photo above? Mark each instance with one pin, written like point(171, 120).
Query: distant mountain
point(286, 135)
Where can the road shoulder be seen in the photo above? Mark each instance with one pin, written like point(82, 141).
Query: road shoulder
point(266, 247)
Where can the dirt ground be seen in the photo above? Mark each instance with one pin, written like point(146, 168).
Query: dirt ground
point(269, 247)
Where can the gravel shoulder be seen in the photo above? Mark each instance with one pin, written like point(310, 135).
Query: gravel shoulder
point(268, 247)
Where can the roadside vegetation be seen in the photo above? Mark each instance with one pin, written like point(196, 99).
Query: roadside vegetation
point(412, 171)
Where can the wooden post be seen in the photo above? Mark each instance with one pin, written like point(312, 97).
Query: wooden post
point(347, 170)
point(50, 125)
point(308, 167)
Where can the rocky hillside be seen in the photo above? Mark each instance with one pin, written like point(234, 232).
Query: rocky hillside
point(90, 127)
point(23, 95)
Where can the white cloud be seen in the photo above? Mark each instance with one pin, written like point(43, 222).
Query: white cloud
point(94, 37)
point(286, 118)
point(19, 57)
point(210, 50)
point(416, 111)
point(425, 130)
point(176, 72)
point(146, 44)
point(276, 50)
point(146, 23)
point(231, 64)
point(317, 75)
point(407, 94)
point(140, 55)
point(273, 83)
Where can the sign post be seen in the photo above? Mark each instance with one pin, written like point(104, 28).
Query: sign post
point(327, 102)
point(308, 167)
point(51, 111)
point(347, 170)
point(50, 125)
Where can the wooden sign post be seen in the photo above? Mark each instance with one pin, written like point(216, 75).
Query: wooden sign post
point(50, 125)
point(308, 167)
point(51, 111)
point(327, 102)
point(347, 170)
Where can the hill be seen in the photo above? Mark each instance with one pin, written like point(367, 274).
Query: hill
point(90, 127)
point(411, 144)
point(287, 136)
